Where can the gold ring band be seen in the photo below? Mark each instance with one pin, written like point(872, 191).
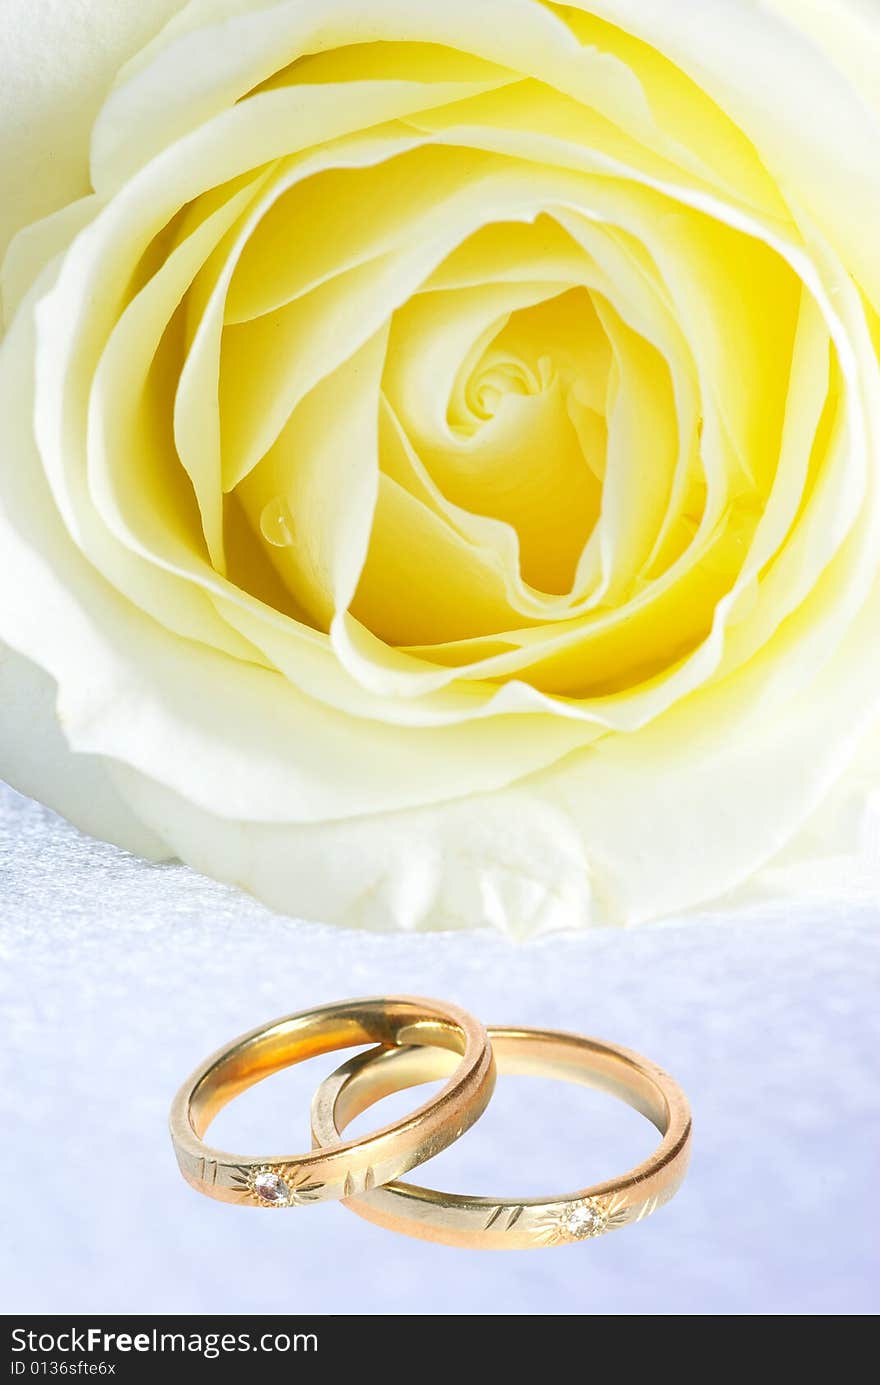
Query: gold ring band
point(348, 1167)
point(517, 1223)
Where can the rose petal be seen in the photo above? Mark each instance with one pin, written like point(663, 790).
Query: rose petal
point(38, 762)
point(59, 61)
point(771, 79)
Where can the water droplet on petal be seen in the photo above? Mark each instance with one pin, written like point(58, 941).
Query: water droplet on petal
point(276, 523)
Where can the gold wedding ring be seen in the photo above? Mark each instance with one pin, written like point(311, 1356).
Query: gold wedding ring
point(517, 1223)
point(422, 1041)
point(349, 1167)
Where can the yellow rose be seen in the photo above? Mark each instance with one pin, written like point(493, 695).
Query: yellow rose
point(440, 452)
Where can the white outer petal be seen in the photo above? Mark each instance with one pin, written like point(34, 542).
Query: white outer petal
point(511, 861)
point(849, 32)
point(37, 761)
point(806, 117)
point(585, 843)
point(57, 63)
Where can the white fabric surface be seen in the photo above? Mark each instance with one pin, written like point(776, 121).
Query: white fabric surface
point(118, 976)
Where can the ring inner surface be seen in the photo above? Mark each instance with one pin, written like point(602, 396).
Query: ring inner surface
point(568, 1058)
point(308, 1035)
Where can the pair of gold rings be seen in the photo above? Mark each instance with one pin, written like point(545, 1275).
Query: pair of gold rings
point(421, 1041)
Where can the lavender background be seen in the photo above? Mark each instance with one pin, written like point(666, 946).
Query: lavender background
point(117, 977)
